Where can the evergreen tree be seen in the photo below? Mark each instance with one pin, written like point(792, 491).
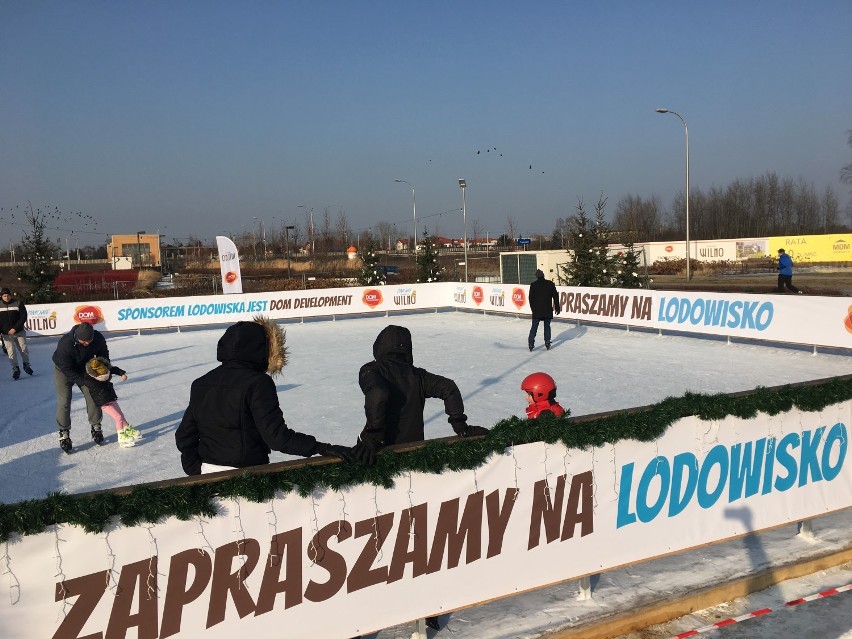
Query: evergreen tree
point(370, 274)
point(590, 265)
point(38, 252)
point(428, 269)
point(628, 270)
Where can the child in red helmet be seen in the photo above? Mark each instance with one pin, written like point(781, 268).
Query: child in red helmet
point(541, 396)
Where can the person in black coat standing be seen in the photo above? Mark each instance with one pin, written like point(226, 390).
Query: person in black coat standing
point(73, 351)
point(13, 317)
point(544, 302)
point(395, 393)
point(234, 419)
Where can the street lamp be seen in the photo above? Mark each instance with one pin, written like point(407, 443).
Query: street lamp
point(414, 205)
point(463, 186)
point(686, 132)
point(287, 230)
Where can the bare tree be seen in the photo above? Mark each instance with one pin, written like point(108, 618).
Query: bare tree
point(512, 227)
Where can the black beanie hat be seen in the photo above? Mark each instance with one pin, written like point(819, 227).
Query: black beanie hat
point(84, 332)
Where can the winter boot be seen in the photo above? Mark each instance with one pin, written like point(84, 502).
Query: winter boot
point(27, 369)
point(65, 440)
point(16, 372)
point(97, 434)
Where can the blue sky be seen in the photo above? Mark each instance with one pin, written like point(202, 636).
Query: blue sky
point(195, 118)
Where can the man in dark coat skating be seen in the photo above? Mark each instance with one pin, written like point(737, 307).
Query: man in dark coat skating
point(544, 302)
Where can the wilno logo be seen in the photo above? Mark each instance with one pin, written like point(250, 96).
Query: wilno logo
point(90, 314)
point(848, 321)
point(477, 295)
point(372, 297)
point(519, 298)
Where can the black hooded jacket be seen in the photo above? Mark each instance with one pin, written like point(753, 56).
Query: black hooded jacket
point(233, 417)
point(395, 392)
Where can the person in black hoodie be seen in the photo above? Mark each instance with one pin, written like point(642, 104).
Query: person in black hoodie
point(234, 419)
point(544, 302)
point(73, 350)
point(395, 393)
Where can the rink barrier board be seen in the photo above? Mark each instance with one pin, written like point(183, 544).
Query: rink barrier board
point(796, 319)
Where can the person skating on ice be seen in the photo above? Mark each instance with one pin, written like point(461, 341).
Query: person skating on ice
point(13, 334)
point(99, 372)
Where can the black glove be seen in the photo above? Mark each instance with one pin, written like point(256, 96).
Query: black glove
point(365, 451)
point(335, 450)
point(472, 431)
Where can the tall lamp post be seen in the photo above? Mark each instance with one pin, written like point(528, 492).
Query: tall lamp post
point(414, 206)
point(686, 133)
point(287, 230)
point(463, 186)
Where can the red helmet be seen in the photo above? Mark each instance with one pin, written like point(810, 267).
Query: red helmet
point(540, 385)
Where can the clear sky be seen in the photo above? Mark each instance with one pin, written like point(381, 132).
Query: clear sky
point(196, 117)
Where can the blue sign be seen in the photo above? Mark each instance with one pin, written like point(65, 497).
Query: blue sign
point(524, 241)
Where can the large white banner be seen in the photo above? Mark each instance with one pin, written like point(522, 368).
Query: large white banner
point(338, 564)
point(797, 319)
point(229, 262)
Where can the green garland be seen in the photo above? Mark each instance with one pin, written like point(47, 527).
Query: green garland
point(190, 497)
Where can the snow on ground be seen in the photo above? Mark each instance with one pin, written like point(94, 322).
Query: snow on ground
point(596, 369)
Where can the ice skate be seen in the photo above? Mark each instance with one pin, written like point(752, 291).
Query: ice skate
point(65, 441)
point(16, 372)
point(97, 435)
point(27, 369)
point(125, 438)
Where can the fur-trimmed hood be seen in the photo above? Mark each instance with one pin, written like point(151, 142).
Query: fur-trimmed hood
point(260, 343)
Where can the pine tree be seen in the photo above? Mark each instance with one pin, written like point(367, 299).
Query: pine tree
point(37, 252)
point(370, 274)
point(628, 270)
point(590, 265)
point(428, 269)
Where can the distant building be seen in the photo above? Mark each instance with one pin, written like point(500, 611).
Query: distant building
point(143, 249)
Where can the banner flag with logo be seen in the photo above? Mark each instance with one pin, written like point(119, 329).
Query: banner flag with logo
point(229, 261)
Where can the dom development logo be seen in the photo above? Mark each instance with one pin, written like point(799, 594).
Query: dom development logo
point(847, 322)
point(89, 314)
point(519, 298)
point(478, 295)
point(372, 297)
point(230, 277)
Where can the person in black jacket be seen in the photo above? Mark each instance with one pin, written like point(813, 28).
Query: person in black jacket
point(13, 316)
point(234, 419)
point(73, 350)
point(99, 372)
point(395, 393)
point(544, 302)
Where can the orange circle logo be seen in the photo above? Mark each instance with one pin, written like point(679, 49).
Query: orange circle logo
point(847, 322)
point(477, 295)
point(230, 277)
point(89, 314)
point(372, 297)
point(669, 248)
point(519, 298)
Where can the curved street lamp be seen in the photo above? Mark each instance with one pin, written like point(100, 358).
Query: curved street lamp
point(686, 132)
point(414, 206)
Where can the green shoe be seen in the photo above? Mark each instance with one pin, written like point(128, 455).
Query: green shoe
point(125, 439)
point(133, 432)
